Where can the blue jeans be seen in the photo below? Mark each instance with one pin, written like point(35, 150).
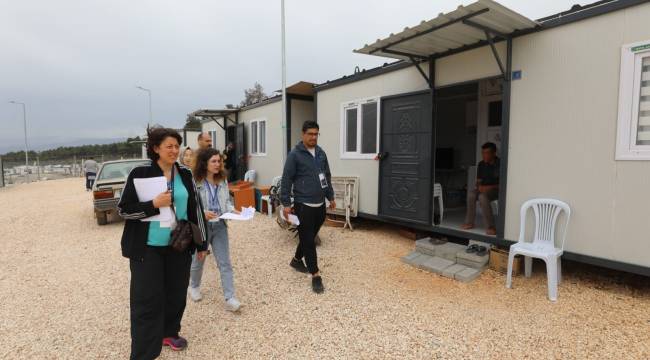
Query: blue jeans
point(218, 240)
point(90, 180)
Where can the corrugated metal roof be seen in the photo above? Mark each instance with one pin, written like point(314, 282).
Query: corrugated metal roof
point(457, 29)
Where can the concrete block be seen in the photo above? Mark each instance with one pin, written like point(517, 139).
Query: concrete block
point(449, 250)
point(437, 264)
point(467, 275)
point(410, 257)
point(472, 260)
point(451, 271)
point(471, 264)
point(420, 261)
point(426, 247)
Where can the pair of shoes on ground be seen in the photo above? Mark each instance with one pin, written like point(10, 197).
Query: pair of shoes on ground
point(480, 250)
point(232, 304)
point(316, 281)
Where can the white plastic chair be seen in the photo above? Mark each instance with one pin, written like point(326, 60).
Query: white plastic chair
point(437, 193)
point(546, 213)
point(267, 198)
point(250, 176)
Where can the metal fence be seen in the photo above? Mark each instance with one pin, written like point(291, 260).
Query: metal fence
point(50, 169)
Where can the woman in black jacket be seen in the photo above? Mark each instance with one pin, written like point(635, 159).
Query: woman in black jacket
point(159, 274)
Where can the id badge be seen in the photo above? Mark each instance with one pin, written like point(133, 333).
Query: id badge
point(323, 180)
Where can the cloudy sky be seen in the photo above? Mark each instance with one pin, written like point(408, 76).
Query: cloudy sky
point(76, 62)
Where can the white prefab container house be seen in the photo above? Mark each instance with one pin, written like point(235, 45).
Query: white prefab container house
point(566, 99)
point(256, 130)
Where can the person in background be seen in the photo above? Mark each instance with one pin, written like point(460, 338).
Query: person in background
point(485, 190)
point(187, 158)
point(90, 169)
point(159, 274)
point(231, 161)
point(213, 191)
point(204, 140)
point(307, 171)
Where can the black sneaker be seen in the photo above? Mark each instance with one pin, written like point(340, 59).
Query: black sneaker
point(317, 284)
point(299, 266)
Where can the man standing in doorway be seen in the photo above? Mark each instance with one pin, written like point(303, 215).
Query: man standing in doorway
point(485, 190)
point(90, 169)
point(308, 173)
point(204, 140)
point(230, 162)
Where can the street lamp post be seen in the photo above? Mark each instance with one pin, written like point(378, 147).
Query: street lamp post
point(25, 128)
point(284, 88)
point(150, 113)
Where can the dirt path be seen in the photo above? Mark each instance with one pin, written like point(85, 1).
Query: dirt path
point(64, 295)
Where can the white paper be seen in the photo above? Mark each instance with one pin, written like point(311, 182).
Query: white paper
point(246, 214)
point(147, 189)
point(294, 219)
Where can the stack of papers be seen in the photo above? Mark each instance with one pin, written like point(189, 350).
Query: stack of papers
point(246, 214)
point(147, 189)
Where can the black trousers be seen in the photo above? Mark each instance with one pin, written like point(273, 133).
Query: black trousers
point(158, 296)
point(311, 219)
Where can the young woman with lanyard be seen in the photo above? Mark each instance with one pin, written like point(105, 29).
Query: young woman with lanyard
point(159, 274)
point(212, 185)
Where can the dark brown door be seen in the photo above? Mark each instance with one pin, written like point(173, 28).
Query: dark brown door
point(240, 148)
point(405, 188)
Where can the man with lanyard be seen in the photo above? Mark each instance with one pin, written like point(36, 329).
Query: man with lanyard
point(307, 172)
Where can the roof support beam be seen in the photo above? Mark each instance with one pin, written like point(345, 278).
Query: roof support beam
point(496, 55)
point(426, 78)
point(400, 53)
point(438, 27)
point(215, 120)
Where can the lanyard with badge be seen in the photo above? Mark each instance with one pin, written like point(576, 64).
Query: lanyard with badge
point(213, 197)
point(321, 174)
point(170, 187)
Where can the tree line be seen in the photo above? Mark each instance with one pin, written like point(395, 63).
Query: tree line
point(115, 150)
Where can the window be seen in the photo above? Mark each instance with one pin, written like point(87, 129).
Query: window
point(633, 140)
point(258, 137)
point(360, 129)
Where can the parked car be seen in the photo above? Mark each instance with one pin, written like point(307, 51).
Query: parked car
point(108, 186)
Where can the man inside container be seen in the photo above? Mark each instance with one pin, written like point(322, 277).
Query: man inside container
point(485, 190)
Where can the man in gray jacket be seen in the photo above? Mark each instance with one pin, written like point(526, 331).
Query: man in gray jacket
point(307, 172)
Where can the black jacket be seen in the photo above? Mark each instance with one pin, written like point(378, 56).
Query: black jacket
point(136, 232)
point(301, 172)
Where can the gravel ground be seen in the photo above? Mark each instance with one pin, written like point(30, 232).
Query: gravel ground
point(64, 295)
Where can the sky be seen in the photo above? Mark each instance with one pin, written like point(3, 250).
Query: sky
point(76, 64)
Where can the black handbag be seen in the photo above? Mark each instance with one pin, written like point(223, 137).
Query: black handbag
point(185, 231)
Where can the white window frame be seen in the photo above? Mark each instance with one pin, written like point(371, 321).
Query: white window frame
point(628, 102)
point(256, 123)
point(357, 104)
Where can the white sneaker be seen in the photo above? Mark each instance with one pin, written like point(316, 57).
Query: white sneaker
point(233, 305)
point(195, 294)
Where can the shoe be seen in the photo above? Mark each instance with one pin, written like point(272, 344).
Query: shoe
point(176, 343)
point(299, 266)
point(195, 294)
point(491, 231)
point(233, 305)
point(317, 284)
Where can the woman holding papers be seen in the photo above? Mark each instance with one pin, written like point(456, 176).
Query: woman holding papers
point(212, 185)
point(159, 274)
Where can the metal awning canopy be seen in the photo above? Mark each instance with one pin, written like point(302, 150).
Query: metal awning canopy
point(469, 25)
point(215, 114)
